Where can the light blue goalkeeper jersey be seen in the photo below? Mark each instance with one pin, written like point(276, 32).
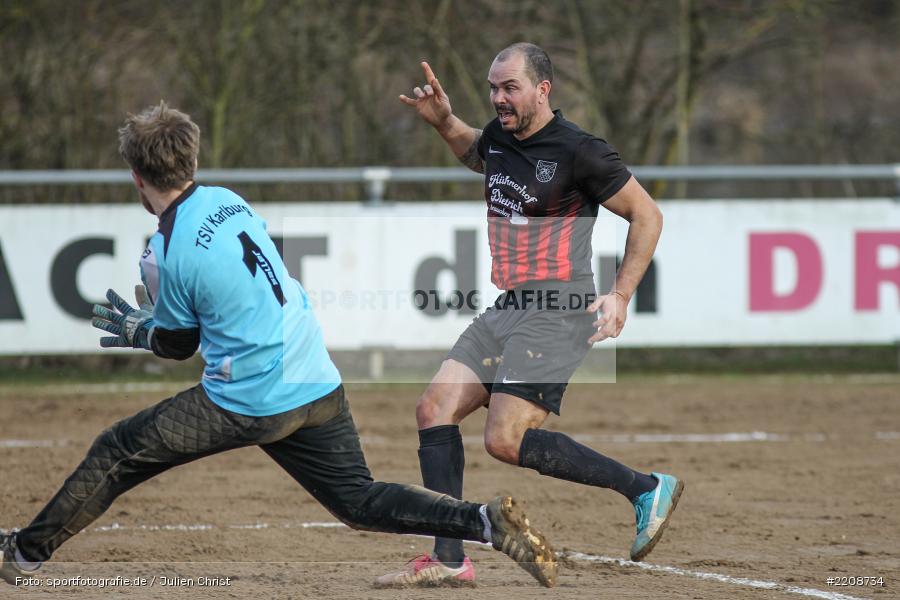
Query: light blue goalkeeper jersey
point(212, 265)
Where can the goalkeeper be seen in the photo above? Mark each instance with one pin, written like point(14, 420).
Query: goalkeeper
point(213, 278)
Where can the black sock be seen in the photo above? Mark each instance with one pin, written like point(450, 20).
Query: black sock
point(557, 455)
point(442, 460)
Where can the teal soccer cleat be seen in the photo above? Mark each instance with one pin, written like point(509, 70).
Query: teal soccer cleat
point(653, 510)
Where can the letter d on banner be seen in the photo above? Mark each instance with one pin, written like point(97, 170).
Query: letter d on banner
point(425, 278)
point(763, 297)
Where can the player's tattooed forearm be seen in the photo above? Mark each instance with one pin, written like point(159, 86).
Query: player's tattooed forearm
point(470, 157)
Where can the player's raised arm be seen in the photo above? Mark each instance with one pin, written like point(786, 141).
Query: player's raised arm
point(433, 105)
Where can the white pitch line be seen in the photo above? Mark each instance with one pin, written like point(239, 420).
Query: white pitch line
point(117, 527)
point(33, 443)
point(577, 556)
point(209, 527)
point(741, 581)
point(695, 438)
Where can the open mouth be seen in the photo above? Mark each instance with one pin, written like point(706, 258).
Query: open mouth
point(505, 115)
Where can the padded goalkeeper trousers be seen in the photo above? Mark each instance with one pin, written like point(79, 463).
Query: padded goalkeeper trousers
point(317, 444)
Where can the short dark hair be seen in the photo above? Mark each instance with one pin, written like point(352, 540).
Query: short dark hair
point(537, 62)
point(161, 144)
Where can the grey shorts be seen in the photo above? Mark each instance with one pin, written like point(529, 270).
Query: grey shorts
point(531, 340)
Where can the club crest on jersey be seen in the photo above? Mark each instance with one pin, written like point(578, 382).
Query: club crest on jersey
point(545, 170)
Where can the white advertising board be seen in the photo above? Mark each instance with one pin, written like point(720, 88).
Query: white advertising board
point(730, 272)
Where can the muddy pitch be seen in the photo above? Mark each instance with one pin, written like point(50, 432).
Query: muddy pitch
point(790, 481)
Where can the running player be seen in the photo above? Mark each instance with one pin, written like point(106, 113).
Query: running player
point(212, 277)
point(545, 180)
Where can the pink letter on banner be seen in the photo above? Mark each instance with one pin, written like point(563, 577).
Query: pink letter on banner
point(868, 274)
point(762, 271)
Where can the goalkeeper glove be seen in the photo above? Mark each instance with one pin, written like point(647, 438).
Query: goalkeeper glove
point(131, 326)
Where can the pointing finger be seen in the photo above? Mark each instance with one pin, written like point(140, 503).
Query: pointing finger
point(429, 74)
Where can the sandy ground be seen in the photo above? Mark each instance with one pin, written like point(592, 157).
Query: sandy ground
point(813, 494)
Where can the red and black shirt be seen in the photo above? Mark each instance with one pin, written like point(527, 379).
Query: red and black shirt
point(542, 196)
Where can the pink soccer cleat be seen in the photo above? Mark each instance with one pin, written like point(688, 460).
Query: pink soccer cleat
point(425, 571)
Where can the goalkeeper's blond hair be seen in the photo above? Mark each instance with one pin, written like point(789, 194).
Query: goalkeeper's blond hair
point(161, 145)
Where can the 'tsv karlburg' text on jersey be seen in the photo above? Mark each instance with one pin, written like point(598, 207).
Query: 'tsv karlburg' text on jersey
point(212, 265)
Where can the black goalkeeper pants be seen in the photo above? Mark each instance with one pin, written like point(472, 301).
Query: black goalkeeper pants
point(317, 444)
